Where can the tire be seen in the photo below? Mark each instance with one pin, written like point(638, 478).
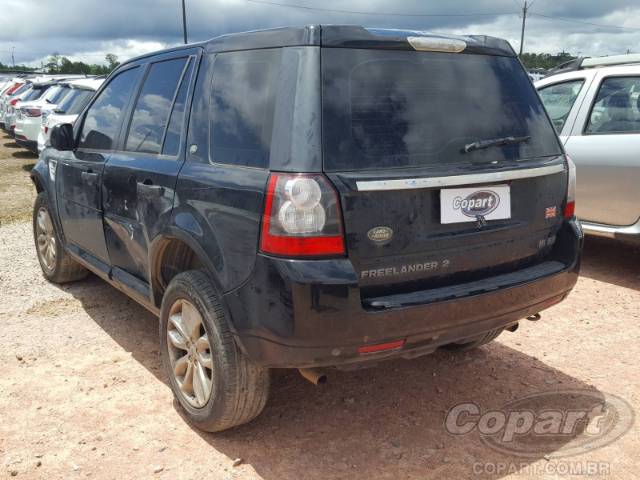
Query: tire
point(238, 388)
point(56, 264)
point(470, 344)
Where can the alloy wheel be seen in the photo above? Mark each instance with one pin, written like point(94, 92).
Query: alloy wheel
point(190, 353)
point(46, 239)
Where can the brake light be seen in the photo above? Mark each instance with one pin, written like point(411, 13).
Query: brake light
point(14, 101)
point(570, 205)
point(301, 217)
point(32, 112)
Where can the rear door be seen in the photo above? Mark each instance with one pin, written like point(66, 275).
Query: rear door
point(604, 144)
point(423, 203)
point(140, 176)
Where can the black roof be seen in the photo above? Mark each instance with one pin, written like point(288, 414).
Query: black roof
point(338, 36)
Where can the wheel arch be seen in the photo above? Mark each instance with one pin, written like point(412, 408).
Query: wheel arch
point(172, 253)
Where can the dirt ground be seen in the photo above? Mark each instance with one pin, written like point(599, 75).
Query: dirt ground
point(82, 393)
point(15, 192)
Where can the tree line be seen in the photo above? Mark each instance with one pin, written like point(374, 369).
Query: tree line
point(544, 60)
point(59, 64)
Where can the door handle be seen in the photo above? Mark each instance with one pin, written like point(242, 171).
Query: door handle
point(149, 189)
point(89, 177)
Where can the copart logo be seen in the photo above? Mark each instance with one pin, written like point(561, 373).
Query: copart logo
point(380, 235)
point(477, 204)
point(556, 424)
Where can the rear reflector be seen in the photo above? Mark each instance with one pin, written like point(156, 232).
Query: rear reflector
point(570, 210)
point(381, 347)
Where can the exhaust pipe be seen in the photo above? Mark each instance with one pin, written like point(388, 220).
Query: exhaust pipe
point(314, 376)
point(534, 318)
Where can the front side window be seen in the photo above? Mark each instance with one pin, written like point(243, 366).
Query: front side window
point(242, 107)
point(558, 99)
point(617, 107)
point(103, 118)
point(151, 113)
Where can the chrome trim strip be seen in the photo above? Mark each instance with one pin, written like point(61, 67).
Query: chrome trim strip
point(455, 180)
point(610, 231)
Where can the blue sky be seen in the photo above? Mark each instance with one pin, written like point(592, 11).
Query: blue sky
point(87, 29)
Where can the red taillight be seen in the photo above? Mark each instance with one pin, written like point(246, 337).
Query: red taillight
point(381, 347)
point(32, 112)
point(14, 101)
point(301, 217)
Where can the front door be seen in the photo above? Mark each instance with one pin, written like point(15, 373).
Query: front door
point(140, 177)
point(79, 172)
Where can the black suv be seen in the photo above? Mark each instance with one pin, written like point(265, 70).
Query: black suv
point(312, 197)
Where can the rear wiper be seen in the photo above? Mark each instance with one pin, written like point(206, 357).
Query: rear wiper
point(493, 142)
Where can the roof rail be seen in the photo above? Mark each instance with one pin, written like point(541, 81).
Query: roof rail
point(593, 62)
point(612, 60)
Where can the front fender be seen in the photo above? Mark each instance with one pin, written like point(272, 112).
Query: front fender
point(43, 176)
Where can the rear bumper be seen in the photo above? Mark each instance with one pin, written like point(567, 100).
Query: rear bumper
point(26, 143)
point(627, 232)
point(295, 313)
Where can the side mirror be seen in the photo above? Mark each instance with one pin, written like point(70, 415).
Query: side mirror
point(62, 137)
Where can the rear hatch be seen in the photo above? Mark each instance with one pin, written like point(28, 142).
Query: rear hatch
point(430, 197)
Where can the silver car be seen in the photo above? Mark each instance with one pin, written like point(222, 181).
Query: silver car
point(596, 111)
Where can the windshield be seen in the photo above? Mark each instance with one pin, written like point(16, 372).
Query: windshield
point(394, 109)
point(75, 100)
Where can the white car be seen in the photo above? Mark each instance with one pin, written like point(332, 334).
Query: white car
point(595, 107)
point(22, 94)
point(10, 96)
point(28, 115)
point(81, 91)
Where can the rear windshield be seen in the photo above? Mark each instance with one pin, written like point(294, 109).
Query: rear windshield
point(75, 100)
point(34, 94)
point(394, 109)
point(57, 94)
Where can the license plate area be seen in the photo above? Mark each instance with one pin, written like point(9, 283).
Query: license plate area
point(470, 204)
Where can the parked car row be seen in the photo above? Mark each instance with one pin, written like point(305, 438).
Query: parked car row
point(31, 105)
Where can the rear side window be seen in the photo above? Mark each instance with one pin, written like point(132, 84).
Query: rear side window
point(617, 107)
point(558, 99)
point(102, 120)
point(242, 106)
point(151, 113)
point(176, 121)
point(390, 109)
